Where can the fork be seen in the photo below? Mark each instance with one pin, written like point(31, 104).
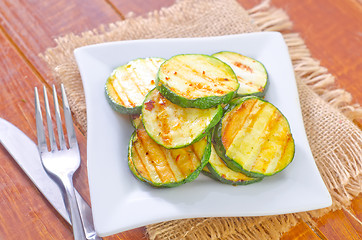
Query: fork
point(60, 164)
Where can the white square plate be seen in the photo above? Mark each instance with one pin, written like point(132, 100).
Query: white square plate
point(121, 202)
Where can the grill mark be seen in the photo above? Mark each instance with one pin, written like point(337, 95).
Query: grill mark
point(175, 160)
point(274, 120)
point(146, 146)
point(129, 102)
point(163, 120)
point(286, 143)
point(141, 156)
point(148, 177)
point(225, 141)
point(255, 117)
point(137, 77)
point(229, 142)
point(188, 171)
point(243, 66)
point(281, 156)
point(115, 94)
point(163, 150)
point(192, 152)
point(193, 149)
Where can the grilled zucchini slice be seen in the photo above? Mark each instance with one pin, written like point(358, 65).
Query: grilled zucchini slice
point(173, 126)
point(251, 74)
point(128, 84)
point(196, 80)
point(161, 167)
point(254, 138)
point(217, 169)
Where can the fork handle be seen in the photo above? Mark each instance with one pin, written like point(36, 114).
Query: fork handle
point(72, 207)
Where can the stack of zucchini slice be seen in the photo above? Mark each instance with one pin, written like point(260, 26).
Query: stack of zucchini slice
point(198, 113)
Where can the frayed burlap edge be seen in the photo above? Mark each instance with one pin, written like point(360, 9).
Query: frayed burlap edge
point(340, 168)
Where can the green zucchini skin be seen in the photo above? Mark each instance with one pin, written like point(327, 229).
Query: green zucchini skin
point(131, 165)
point(137, 72)
point(202, 103)
point(217, 168)
point(155, 131)
point(241, 65)
point(221, 151)
point(208, 101)
point(203, 161)
point(215, 175)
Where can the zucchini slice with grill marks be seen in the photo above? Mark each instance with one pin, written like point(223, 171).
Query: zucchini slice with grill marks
point(196, 80)
point(254, 138)
point(251, 74)
point(173, 126)
point(217, 169)
point(161, 167)
point(128, 84)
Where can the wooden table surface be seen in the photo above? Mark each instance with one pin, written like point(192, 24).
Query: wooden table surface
point(331, 29)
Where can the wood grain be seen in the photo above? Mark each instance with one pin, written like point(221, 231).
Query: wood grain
point(300, 231)
point(332, 32)
point(330, 28)
point(20, 202)
point(139, 7)
point(33, 25)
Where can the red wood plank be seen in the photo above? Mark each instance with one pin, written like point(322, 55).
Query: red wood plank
point(299, 232)
point(140, 7)
point(30, 28)
point(335, 225)
point(32, 25)
point(22, 206)
point(331, 30)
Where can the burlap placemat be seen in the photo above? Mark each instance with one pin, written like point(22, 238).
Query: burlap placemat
point(328, 114)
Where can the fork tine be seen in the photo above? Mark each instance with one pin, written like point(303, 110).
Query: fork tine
point(59, 120)
point(42, 144)
point(68, 120)
point(53, 144)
